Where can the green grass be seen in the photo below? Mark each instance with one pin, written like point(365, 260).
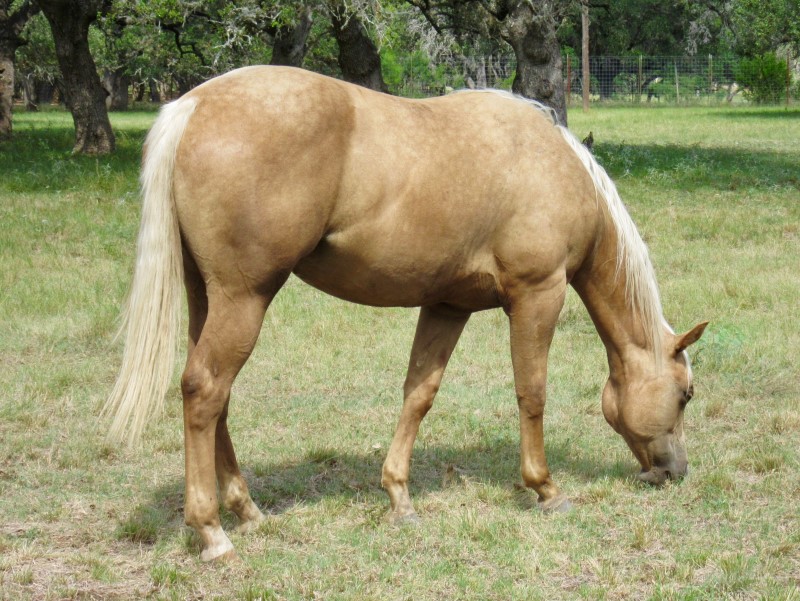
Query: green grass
point(716, 194)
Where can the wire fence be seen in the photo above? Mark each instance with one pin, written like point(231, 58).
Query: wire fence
point(676, 80)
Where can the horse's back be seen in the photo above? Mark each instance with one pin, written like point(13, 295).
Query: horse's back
point(374, 198)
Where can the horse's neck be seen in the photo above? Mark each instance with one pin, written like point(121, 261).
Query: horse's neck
point(621, 328)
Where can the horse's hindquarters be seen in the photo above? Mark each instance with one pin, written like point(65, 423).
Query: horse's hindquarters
point(256, 174)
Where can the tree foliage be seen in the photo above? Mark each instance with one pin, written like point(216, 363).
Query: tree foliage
point(174, 44)
point(165, 47)
point(763, 77)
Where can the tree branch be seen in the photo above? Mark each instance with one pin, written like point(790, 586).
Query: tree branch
point(176, 30)
point(425, 7)
point(24, 13)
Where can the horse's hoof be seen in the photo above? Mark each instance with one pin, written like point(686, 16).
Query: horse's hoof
point(559, 504)
point(228, 556)
point(409, 519)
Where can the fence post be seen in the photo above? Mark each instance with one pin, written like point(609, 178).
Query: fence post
point(788, 75)
point(585, 72)
point(710, 76)
point(639, 81)
point(569, 80)
point(677, 83)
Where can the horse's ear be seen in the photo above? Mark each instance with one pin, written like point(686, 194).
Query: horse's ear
point(690, 337)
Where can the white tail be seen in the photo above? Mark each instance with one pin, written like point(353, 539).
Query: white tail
point(151, 317)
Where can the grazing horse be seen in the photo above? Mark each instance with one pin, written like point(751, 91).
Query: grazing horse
point(472, 201)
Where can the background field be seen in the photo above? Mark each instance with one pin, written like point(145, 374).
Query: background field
point(716, 194)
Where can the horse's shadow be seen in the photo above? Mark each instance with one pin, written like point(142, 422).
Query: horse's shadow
point(355, 477)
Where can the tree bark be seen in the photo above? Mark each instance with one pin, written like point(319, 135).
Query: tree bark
point(155, 93)
point(289, 44)
point(11, 26)
point(29, 95)
point(530, 29)
point(84, 94)
point(6, 90)
point(358, 56)
point(116, 84)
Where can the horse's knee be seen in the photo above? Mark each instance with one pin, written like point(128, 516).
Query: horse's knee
point(420, 396)
point(531, 402)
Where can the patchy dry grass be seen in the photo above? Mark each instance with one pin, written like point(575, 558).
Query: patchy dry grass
point(717, 196)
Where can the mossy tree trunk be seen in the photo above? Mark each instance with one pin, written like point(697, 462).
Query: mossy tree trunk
point(84, 94)
point(12, 22)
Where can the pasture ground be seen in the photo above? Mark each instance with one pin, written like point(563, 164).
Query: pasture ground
point(715, 193)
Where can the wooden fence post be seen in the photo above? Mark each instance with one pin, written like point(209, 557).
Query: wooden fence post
point(639, 81)
point(569, 80)
point(788, 75)
point(710, 75)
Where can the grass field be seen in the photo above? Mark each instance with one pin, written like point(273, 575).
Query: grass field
point(716, 194)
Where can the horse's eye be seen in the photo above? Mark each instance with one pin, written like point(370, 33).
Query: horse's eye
point(687, 396)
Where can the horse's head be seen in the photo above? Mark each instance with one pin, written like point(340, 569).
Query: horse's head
point(646, 407)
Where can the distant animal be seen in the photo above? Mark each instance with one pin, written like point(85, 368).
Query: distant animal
point(588, 141)
point(652, 91)
point(458, 204)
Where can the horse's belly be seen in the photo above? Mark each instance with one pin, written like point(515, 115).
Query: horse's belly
point(398, 280)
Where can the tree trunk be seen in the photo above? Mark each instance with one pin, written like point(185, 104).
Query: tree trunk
point(358, 57)
point(155, 94)
point(531, 32)
point(29, 94)
point(289, 43)
point(11, 26)
point(84, 94)
point(116, 83)
point(6, 89)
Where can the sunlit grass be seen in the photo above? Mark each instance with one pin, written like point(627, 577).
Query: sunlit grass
point(717, 197)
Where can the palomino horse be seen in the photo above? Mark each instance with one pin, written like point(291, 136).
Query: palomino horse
point(457, 204)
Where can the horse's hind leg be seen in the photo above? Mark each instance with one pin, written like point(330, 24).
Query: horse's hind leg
point(228, 335)
point(232, 485)
point(438, 331)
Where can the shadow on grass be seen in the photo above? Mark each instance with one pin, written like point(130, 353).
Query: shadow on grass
point(776, 113)
point(326, 473)
point(687, 167)
point(39, 157)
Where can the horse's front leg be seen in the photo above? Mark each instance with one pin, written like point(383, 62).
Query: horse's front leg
point(533, 314)
point(438, 330)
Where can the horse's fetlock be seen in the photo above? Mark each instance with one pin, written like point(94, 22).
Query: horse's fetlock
point(391, 476)
point(539, 480)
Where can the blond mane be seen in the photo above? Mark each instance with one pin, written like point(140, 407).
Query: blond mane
point(641, 287)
